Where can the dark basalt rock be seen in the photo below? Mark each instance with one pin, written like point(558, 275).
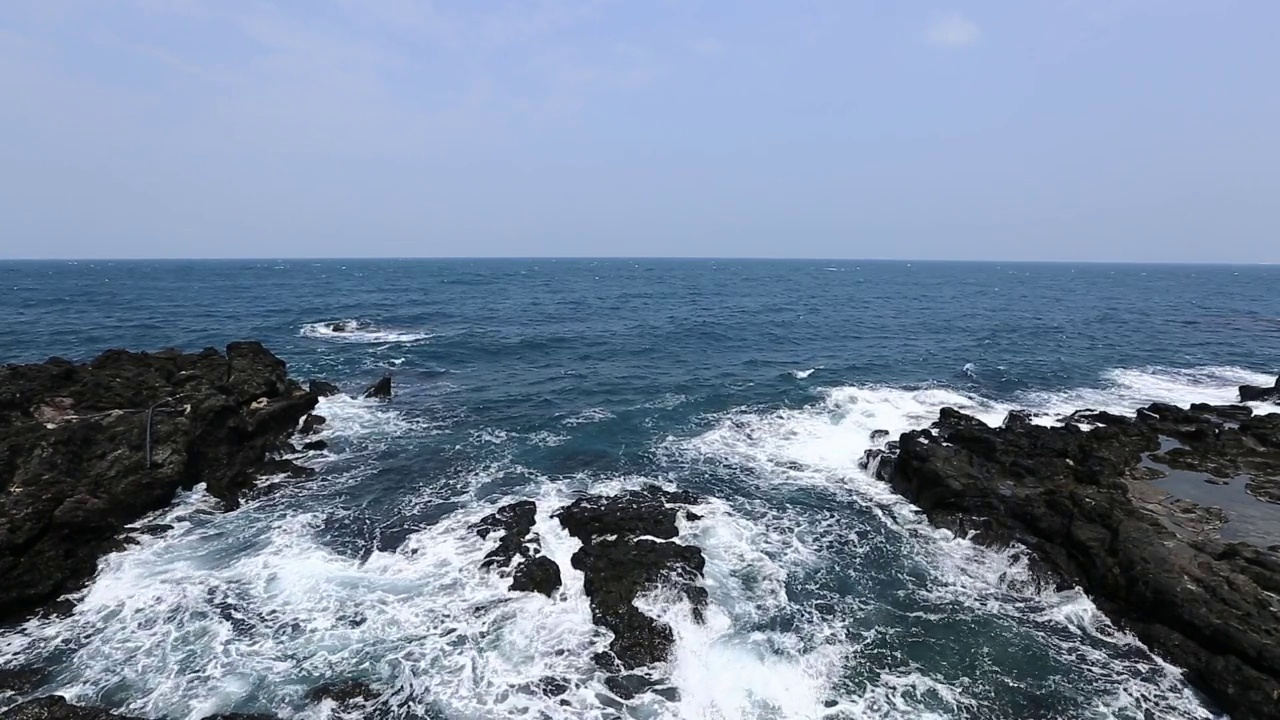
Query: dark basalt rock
point(21, 680)
point(344, 693)
point(315, 446)
point(1254, 393)
point(1083, 504)
point(320, 388)
point(519, 549)
point(74, 468)
point(620, 559)
point(380, 390)
point(311, 424)
point(53, 707)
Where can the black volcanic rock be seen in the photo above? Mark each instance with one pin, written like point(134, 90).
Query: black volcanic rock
point(78, 462)
point(1254, 393)
point(1082, 501)
point(344, 693)
point(380, 390)
point(320, 388)
point(53, 707)
point(519, 549)
point(311, 424)
point(628, 547)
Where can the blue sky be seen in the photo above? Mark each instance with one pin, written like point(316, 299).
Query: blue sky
point(1122, 130)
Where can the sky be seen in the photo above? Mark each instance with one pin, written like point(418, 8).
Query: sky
point(1100, 130)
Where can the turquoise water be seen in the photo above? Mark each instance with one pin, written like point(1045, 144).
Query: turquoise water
point(754, 383)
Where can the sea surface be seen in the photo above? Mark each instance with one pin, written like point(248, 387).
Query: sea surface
point(754, 383)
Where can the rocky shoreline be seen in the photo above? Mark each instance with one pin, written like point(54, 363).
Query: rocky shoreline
point(1169, 519)
point(88, 449)
point(1101, 501)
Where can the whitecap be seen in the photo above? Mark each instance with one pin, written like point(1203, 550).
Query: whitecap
point(586, 417)
point(360, 332)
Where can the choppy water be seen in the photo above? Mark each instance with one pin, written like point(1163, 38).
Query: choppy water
point(756, 384)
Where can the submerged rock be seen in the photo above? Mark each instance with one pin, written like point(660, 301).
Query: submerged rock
point(344, 693)
point(628, 548)
point(130, 430)
point(1082, 502)
point(380, 390)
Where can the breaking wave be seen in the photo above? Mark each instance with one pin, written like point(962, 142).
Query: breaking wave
point(361, 332)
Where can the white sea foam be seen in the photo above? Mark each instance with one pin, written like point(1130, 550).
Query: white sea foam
point(590, 415)
point(360, 332)
point(816, 449)
point(804, 374)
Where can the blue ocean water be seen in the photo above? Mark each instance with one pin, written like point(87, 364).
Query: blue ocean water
point(755, 383)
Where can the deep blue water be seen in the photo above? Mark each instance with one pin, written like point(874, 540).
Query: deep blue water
point(755, 383)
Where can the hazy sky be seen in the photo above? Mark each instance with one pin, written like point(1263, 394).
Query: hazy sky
point(1044, 129)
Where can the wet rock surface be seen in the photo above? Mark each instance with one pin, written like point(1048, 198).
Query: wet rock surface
point(54, 707)
point(380, 390)
point(628, 548)
point(1255, 393)
point(76, 465)
point(519, 549)
point(1089, 505)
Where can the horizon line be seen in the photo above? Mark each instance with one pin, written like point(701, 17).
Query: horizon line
point(624, 258)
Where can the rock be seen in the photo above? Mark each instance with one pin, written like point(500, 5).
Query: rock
point(320, 388)
point(1254, 393)
point(1081, 502)
point(380, 390)
point(879, 435)
point(552, 686)
point(53, 707)
point(949, 419)
point(21, 681)
point(311, 424)
point(346, 692)
point(620, 558)
point(315, 446)
point(519, 549)
point(1017, 419)
point(539, 574)
point(70, 488)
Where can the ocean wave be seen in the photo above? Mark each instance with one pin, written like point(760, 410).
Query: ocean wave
point(360, 332)
point(804, 374)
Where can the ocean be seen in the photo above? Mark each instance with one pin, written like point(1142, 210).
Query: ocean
point(756, 384)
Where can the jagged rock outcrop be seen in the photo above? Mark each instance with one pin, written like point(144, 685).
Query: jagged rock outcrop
point(627, 548)
point(519, 549)
point(1255, 393)
point(86, 449)
point(380, 390)
point(1085, 503)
